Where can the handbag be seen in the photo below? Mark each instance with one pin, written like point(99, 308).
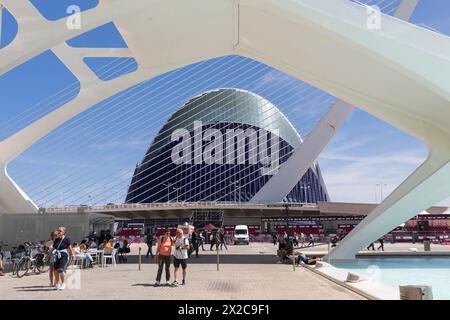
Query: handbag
point(54, 256)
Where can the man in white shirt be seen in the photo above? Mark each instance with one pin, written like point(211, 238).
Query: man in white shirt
point(180, 255)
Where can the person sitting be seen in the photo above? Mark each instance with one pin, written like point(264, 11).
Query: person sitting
point(108, 246)
point(94, 244)
point(285, 249)
point(281, 252)
point(88, 260)
point(304, 259)
point(102, 245)
point(74, 249)
point(334, 241)
point(124, 249)
point(81, 254)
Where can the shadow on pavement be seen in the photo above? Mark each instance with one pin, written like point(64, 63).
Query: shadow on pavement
point(35, 288)
point(147, 285)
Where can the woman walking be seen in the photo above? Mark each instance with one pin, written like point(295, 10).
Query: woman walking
point(51, 267)
point(62, 248)
point(163, 257)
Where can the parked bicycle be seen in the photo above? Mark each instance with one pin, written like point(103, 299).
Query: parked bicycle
point(32, 260)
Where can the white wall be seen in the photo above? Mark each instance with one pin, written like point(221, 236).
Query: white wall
point(19, 228)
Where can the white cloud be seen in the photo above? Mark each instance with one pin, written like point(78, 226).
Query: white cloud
point(353, 178)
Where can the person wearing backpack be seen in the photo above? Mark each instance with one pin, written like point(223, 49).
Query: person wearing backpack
point(163, 256)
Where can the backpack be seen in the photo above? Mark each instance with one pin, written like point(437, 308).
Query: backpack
point(172, 242)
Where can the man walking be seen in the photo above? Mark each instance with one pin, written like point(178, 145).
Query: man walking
point(222, 241)
point(180, 256)
point(213, 238)
point(202, 240)
point(195, 242)
point(381, 240)
point(163, 255)
point(149, 238)
point(311, 240)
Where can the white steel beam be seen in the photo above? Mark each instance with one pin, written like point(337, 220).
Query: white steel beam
point(406, 9)
point(290, 173)
point(279, 186)
point(30, 43)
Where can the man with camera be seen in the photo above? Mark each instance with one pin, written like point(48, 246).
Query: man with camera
point(180, 256)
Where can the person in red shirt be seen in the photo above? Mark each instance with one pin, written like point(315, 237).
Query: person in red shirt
point(163, 256)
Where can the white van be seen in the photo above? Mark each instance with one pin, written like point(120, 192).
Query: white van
point(241, 235)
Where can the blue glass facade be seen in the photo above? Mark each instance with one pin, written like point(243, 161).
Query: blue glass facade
point(235, 168)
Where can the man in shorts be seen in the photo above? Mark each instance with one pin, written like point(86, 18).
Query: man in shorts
point(180, 256)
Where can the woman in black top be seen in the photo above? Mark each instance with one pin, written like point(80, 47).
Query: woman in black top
point(62, 245)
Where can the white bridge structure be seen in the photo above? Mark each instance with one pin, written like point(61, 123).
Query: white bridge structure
point(398, 72)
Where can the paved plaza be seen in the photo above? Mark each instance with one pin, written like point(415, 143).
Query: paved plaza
point(246, 272)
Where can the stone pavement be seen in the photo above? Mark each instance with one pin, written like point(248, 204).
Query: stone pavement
point(246, 272)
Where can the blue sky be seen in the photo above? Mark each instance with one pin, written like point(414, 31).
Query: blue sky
point(91, 158)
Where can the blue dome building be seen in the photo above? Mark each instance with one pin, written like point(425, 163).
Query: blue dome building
point(222, 145)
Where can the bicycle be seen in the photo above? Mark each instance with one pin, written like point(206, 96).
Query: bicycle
point(33, 259)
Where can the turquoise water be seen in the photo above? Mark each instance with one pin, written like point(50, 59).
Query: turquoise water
point(405, 271)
